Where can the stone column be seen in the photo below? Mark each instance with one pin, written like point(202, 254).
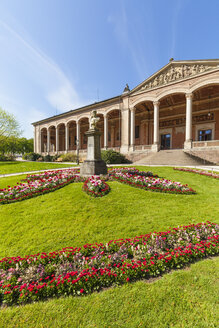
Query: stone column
point(156, 146)
point(142, 133)
point(66, 137)
point(132, 128)
point(78, 134)
point(188, 136)
point(48, 140)
point(57, 139)
point(112, 135)
point(105, 131)
point(40, 138)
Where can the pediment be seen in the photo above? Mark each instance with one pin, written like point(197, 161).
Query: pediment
point(176, 71)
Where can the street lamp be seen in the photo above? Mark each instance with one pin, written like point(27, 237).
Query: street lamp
point(77, 147)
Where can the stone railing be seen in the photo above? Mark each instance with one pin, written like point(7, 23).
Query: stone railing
point(205, 144)
point(142, 147)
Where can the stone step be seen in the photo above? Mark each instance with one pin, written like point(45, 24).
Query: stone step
point(169, 157)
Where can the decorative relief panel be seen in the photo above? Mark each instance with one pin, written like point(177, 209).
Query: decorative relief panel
point(182, 120)
point(175, 73)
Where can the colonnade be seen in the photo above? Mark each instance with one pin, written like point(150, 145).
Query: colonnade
point(127, 127)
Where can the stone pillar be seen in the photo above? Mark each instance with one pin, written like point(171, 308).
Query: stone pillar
point(112, 135)
point(188, 136)
point(142, 133)
point(125, 119)
point(48, 141)
point(156, 146)
point(132, 128)
point(78, 134)
point(66, 137)
point(105, 131)
point(40, 138)
point(57, 139)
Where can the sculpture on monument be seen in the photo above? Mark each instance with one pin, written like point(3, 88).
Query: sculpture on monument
point(93, 165)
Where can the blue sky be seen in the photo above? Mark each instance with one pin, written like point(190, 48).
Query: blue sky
point(57, 55)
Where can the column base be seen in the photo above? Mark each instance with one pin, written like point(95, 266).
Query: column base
point(124, 149)
point(155, 147)
point(188, 144)
point(132, 148)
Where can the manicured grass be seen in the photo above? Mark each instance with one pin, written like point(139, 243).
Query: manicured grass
point(69, 217)
point(19, 166)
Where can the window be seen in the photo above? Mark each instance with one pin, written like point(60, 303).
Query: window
point(109, 136)
point(137, 132)
point(204, 135)
point(75, 140)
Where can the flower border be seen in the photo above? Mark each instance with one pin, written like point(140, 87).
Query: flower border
point(93, 193)
point(124, 270)
point(127, 181)
point(206, 173)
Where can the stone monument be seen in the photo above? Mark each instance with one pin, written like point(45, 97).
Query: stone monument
point(93, 165)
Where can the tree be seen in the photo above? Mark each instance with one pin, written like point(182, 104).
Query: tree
point(9, 127)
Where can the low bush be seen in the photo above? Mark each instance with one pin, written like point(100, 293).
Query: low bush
point(31, 156)
point(69, 157)
point(48, 158)
point(5, 158)
point(113, 157)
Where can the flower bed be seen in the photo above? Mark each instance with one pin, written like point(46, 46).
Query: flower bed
point(206, 173)
point(82, 270)
point(96, 187)
point(35, 185)
point(148, 182)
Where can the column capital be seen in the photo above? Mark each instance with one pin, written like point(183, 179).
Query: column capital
point(156, 103)
point(189, 95)
point(132, 109)
point(105, 115)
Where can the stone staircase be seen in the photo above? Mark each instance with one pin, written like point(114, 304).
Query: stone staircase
point(171, 157)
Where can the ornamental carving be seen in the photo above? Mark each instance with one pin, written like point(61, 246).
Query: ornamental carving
point(175, 73)
point(182, 120)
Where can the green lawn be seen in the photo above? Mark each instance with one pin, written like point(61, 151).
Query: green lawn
point(69, 217)
point(17, 166)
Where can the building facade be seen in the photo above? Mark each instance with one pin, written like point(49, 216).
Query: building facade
point(175, 108)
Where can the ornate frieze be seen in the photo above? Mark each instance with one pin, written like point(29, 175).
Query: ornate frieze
point(182, 120)
point(176, 72)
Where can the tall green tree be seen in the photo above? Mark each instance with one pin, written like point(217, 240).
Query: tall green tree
point(9, 126)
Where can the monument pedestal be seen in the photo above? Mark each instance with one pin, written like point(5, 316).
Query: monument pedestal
point(89, 168)
point(93, 165)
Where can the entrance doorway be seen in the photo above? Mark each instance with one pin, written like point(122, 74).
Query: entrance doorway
point(165, 141)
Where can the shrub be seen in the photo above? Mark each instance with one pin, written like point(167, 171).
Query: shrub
point(69, 157)
point(31, 156)
point(113, 157)
point(48, 158)
point(8, 157)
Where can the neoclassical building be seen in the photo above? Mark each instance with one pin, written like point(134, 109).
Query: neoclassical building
point(175, 108)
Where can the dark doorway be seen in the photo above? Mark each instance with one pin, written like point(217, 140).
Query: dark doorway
point(165, 141)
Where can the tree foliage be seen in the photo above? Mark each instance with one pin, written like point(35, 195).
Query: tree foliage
point(9, 127)
point(12, 145)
